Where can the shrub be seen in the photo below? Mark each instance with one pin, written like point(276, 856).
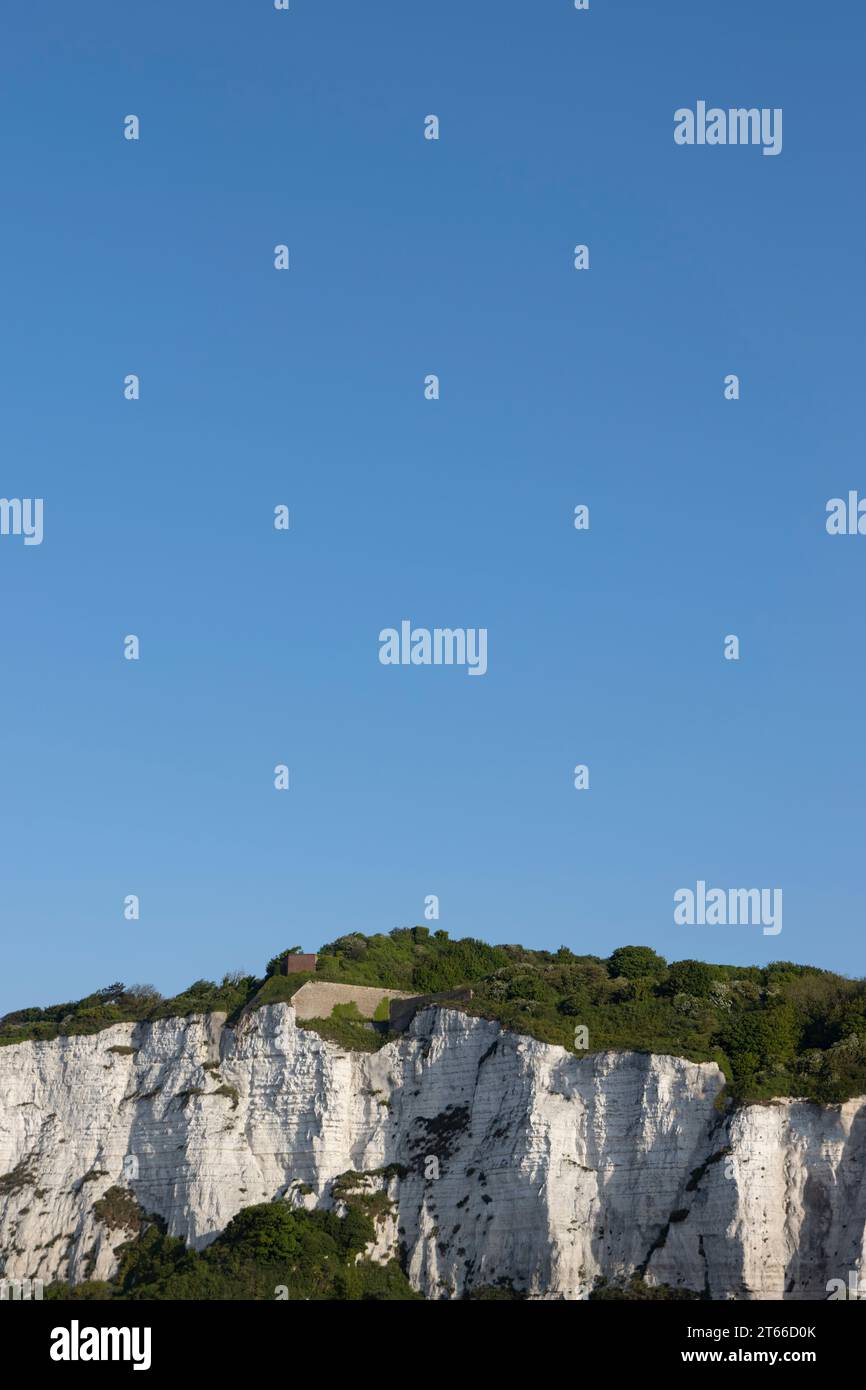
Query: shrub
point(634, 961)
point(690, 977)
point(266, 1248)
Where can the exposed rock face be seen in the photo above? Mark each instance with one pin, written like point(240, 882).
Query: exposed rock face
point(552, 1169)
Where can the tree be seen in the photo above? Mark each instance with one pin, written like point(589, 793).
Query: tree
point(634, 961)
point(265, 1234)
point(691, 977)
point(145, 994)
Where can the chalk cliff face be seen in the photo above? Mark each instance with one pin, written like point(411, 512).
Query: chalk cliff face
point(519, 1161)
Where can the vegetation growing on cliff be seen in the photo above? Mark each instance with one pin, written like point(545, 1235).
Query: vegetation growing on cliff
point(637, 1290)
point(783, 1029)
point(266, 1252)
point(119, 1003)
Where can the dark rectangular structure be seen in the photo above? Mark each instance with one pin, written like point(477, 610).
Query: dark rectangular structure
point(296, 964)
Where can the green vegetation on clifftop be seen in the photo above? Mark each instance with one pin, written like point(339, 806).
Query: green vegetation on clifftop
point(783, 1029)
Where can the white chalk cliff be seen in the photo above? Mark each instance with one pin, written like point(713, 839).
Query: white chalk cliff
point(552, 1169)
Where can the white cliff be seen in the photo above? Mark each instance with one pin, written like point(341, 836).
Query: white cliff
point(522, 1161)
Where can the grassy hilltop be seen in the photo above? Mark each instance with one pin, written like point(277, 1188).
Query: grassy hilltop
point(783, 1029)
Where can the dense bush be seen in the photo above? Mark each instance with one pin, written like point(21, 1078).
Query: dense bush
point(636, 961)
point(693, 977)
point(265, 1252)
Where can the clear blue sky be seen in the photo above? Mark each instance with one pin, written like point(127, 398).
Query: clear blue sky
point(605, 387)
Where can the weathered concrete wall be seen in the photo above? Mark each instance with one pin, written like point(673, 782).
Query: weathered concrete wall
point(317, 998)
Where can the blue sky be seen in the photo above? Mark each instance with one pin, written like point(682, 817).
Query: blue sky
point(305, 387)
